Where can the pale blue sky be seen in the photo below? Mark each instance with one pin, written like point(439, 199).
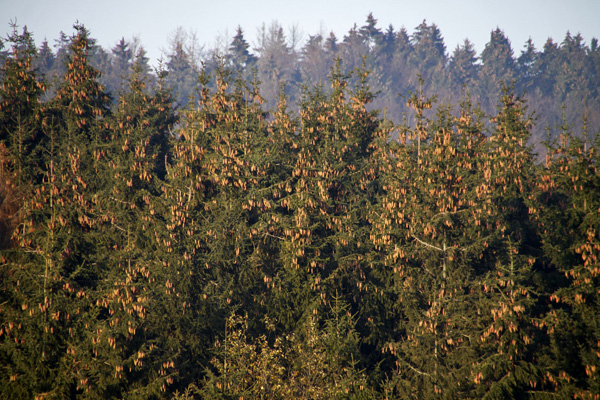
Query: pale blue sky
point(153, 21)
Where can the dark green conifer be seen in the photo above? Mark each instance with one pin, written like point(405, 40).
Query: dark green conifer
point(20, 108)
point(239, 55)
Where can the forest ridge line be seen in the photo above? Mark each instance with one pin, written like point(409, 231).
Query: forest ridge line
point(561, 78)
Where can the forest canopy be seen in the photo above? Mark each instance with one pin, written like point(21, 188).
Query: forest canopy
point(559, 81)
point(365, 217)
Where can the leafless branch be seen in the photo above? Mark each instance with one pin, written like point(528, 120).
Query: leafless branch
point(426, 244)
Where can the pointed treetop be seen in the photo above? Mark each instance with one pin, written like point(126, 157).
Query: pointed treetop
point(238, 49)
point(331, 43)
point(499, 43)
point(369, 31)
point(430, 37)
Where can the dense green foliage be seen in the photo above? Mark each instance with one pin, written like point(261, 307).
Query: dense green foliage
point(225, 249)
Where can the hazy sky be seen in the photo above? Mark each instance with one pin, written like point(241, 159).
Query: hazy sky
point(153, 21)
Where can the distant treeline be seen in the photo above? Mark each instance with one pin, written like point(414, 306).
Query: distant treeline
point(228, 248)
point(561, 79)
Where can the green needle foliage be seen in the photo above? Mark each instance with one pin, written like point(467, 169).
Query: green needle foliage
point(317, 250)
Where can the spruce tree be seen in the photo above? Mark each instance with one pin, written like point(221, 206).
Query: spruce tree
point(181, 72)
point(566, 211)
point(316, 61)
point(428, 237)
point(45, 59)
point(57, 262)
point(429, 56)
point(510, 360)
point(462, 67)
point(526, 66)
point(215, 212)
point(498, 69)
point(239, 56)
point(370, 32)
point(20, 107)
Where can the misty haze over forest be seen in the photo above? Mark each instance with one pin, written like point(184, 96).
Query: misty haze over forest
point(557, 79)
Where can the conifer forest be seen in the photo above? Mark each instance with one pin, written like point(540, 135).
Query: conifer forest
point(369, 217)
